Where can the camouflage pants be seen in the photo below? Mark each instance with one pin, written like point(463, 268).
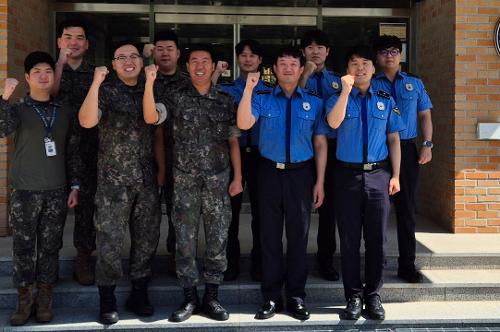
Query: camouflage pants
point(195, 193)
point(84, 231)
point(118, 208)
point(37, 219)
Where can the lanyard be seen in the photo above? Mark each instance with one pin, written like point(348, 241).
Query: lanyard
point(48, 126)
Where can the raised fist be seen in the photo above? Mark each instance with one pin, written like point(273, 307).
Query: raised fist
point(252, 80)
point(148, 49)
point(9, 87)
point(310, 67)
point(221, 66)
point(151, 72)
point(64, 53)
point(100, 74)
point(347, 82)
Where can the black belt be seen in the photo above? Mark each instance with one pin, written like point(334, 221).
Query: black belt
point(286, 165)
point(250, 149)
point(364, 167)
point(405, 142)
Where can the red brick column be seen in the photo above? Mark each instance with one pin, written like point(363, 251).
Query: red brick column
point(24, 27)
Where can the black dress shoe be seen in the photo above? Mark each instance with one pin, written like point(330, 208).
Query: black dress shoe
point(373, 307)
point(298, 310)
point(268, 309)
point(411, 276)
point(353, 309)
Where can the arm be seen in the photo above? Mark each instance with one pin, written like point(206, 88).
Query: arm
point(320, 156)
point(426, 127)
point(337, 114)
point(159, 151)
point(61, 62)
point(221, 67)
point(89, 111)
point(310, 67)
point(395, 157)
point(9, 121)
point(235, 187)
point(151, 116)
point(244, 118)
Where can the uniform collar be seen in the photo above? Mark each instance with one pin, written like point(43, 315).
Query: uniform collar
point(30, 102)
point(277, 90)
point(84, 67)
point(212, 92)
point(356, 92)
point(177, 75)
point(398, 74)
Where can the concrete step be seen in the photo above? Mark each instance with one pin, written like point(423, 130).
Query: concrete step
point(456, 285)
point(410, 316)
point(426, 261)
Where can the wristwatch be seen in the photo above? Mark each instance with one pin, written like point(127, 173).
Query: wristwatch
point(428, 144)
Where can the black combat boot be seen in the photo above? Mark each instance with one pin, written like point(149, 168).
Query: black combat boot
point(190, 306)
point(211, 306)
point(108, 313)
point(138, 301)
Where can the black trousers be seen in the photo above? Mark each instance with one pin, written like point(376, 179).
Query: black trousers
point(326, 240)
point(285, 198)
point(404, 202)
point(362, 200)
point(249, 165)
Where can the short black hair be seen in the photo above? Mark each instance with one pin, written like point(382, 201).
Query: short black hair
point(200, 47)
point(37, 57)
point(315, 36)
point(252, 44)
point(121, 43)
point(292, 52)
point(362, 51)
point(73, 23)
point(167, 35)
point(384, 42)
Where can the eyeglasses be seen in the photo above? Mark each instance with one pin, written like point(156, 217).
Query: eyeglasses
point(123, 58)
point(393, 52)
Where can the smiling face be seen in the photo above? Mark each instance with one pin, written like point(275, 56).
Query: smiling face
point(248, 61)
point(166, 55)
point(316, 53)
point(200, 67)
point(74, 38)
point(362, 69)
point(40, 77)
point(127, 63)
point(288, 70)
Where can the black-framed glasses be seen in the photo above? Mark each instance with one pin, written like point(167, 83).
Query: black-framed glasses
point(393, 52)
point(123, 58)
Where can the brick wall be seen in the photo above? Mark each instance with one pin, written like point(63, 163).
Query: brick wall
point(24, 27)
point(461, 69)
point(477, 163)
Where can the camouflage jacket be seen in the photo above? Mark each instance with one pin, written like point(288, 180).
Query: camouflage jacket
point(30, 168)
point(202, 125)
point(125, 141)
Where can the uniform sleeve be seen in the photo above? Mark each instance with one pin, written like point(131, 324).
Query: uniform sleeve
point(256, 105)
point(9, 118)
point(165, 107)
point(424, 101)
point(74, 158)
point(330, 102)
point(320, 125)
point(394, 123)
point(103, 100)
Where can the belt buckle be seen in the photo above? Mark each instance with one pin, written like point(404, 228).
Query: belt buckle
point(280, 165)
point(367, 167)
point(248, 149)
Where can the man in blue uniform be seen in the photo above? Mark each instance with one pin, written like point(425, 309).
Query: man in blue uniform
point(409, 93)
point(368, 124)
point(316, 48)
point(249, 56)
point(292, 132)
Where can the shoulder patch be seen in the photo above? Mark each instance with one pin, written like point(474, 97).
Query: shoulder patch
point(384, 94)
point(313, 93)
point(263, 92)
point(396, 110)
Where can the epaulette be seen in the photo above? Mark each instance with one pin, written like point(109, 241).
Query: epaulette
point(269, 84)
point(412, 75)
point(396, 110)
point(313, 93)
point(384, 94)
point(263, 92)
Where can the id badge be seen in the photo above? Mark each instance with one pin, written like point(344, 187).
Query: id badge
point(50, 147)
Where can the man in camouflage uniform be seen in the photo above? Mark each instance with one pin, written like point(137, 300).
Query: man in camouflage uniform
point(73, 78)
point(127, 192)
point(203, 122)
point(166, 53)
point(44, 131)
